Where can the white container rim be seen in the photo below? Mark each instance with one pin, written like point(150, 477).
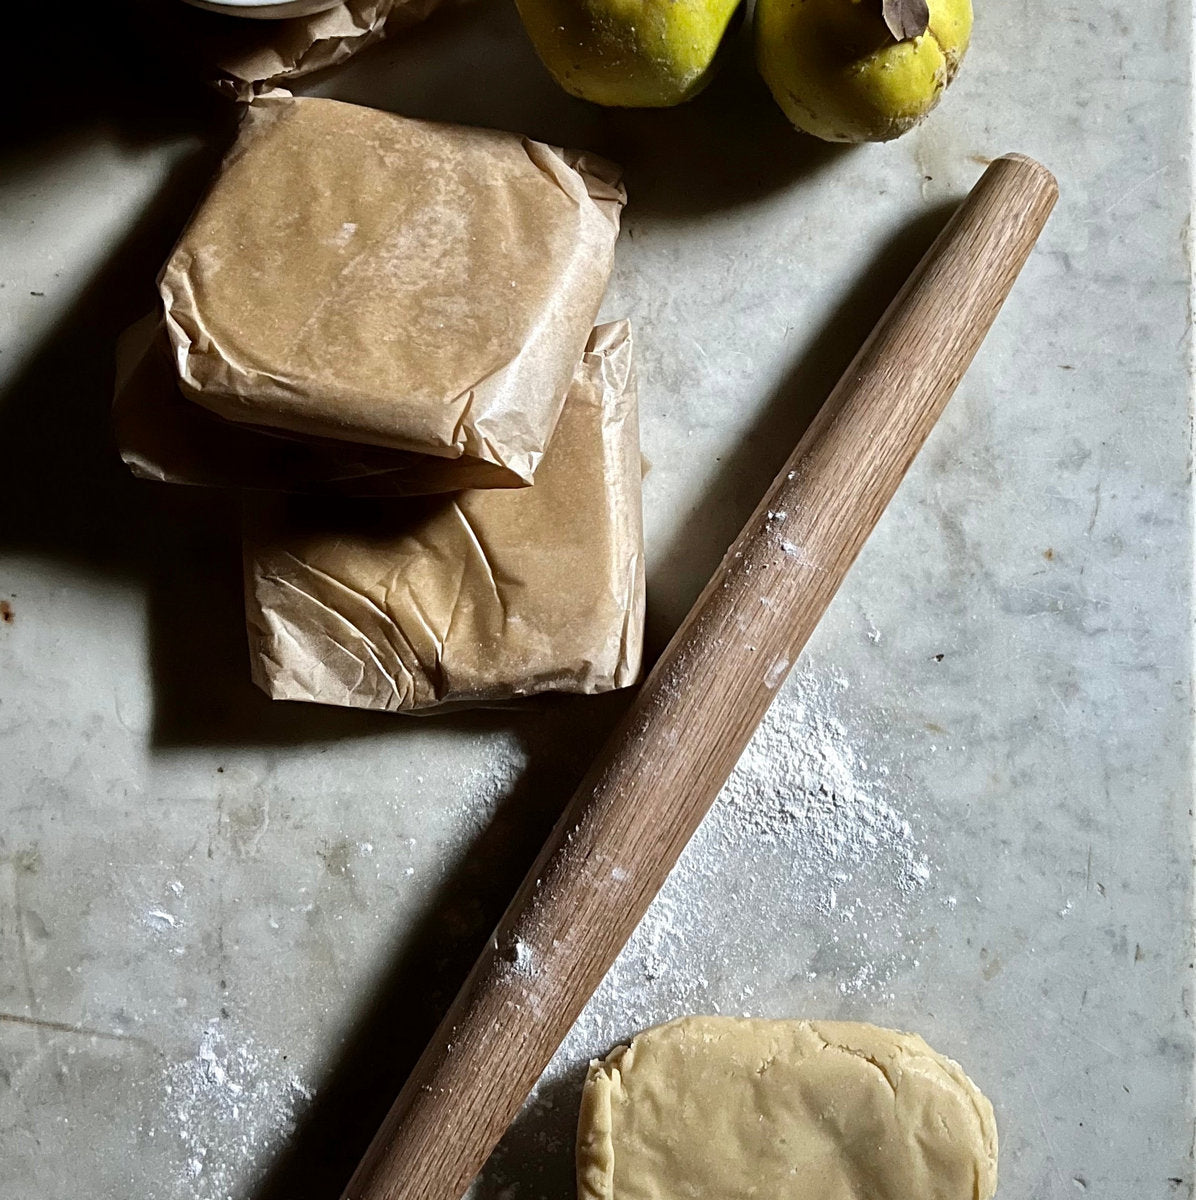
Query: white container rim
point(266, 9)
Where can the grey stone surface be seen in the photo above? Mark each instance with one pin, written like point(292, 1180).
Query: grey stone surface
point(227, 927)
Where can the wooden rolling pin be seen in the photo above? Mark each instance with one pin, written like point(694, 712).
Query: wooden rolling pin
point(664, 765)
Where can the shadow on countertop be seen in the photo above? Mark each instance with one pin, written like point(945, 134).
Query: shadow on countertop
point(84, 67)
point(126, 68)
point(427, 969)
point(745, 473)
point(84, 77)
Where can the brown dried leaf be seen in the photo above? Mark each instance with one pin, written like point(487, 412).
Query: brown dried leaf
point(906, 18)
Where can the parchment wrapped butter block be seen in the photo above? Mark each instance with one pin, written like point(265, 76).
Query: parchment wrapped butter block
point(164, 437)
point(479, 596)
point(359, 276)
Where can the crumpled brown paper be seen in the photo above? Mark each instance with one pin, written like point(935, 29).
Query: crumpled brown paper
point(164, 437)
point(302, 45)
point(476, 597)
point(243, 58)
point(359, 276)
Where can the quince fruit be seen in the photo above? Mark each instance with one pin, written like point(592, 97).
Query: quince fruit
point(629, 53)
point(859, 70)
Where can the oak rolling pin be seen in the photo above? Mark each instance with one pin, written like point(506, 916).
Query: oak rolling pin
point(662, 768)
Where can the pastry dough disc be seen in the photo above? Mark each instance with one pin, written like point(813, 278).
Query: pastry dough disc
point(725, 1108)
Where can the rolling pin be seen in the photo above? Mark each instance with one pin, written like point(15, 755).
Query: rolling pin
point(667, 760)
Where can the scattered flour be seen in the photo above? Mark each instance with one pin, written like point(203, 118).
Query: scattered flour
point(524, 960)
point(483, 785)
point(231, 1100)
point(805, 846)
point(159, 920)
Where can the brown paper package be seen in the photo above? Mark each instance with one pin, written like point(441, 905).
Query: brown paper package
point(245, 58)
point(472, 598)
point(357, 276)
point(164, 437)
point(303, 45)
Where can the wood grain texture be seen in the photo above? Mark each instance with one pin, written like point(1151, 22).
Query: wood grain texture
point(666, 762)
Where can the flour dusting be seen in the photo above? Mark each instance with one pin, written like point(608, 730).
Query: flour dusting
point(802, 790)
point(523, 959)
point(484, 785)
point(229, 1107)
point(159, 920)
point(806, 844)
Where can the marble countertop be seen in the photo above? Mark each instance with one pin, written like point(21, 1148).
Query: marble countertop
point(228, 926)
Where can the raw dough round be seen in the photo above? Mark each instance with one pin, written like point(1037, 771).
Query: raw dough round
point(726, 1108)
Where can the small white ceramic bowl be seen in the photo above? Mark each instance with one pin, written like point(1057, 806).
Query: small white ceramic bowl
point(266, 9)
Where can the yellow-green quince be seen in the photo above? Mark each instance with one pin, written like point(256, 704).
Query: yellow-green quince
point(629, 53)
point(838, 71)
